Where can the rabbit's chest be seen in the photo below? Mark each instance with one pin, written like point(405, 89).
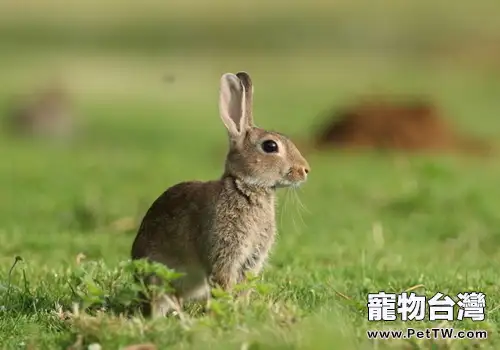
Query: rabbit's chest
point(249, 225)
point(244, 228)
point(257, 228)
point(258, 220)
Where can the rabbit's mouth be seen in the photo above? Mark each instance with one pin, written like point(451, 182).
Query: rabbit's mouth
point(293, 178)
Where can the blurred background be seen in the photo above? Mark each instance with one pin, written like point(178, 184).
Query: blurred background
point(104, 104)
point(395, 104)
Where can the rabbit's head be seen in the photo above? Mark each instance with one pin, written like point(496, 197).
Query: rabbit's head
point(256, 156)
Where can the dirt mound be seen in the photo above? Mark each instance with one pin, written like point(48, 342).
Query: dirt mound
point(409, 124)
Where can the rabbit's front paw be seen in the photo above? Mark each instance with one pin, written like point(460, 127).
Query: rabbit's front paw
point(211, 281)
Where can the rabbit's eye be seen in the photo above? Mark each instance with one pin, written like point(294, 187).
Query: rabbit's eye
point(269, 146)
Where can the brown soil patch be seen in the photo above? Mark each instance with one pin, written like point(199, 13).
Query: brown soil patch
point(385, 123)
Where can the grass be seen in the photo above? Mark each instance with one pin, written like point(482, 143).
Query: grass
point(371, 221)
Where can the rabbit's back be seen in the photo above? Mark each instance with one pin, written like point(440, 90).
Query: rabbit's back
point(172, 232)
point(173, 226)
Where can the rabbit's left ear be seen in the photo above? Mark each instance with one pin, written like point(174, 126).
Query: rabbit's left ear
point(232, 105)
point(248, 87)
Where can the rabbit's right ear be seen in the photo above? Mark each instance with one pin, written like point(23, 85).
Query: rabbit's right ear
point(232, 105)
point(248, 86)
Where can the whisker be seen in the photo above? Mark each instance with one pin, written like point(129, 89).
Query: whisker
point(298, 208)
point(285, 203)
point(293, 216)
point(300, 201)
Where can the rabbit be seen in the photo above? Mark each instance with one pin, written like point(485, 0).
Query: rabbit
point(46, 114)
point(215, 232)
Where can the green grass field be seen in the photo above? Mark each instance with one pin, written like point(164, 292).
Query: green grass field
point(363, 223)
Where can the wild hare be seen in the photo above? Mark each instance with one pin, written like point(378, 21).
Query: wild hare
point(215, 232)
point(46, 113)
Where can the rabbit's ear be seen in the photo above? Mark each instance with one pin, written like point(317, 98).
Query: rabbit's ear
point(248, 86)
point(232, 104)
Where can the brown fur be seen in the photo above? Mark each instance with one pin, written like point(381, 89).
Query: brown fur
point(217, 231)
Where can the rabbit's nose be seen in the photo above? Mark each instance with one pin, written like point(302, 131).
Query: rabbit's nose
point(304, 170)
